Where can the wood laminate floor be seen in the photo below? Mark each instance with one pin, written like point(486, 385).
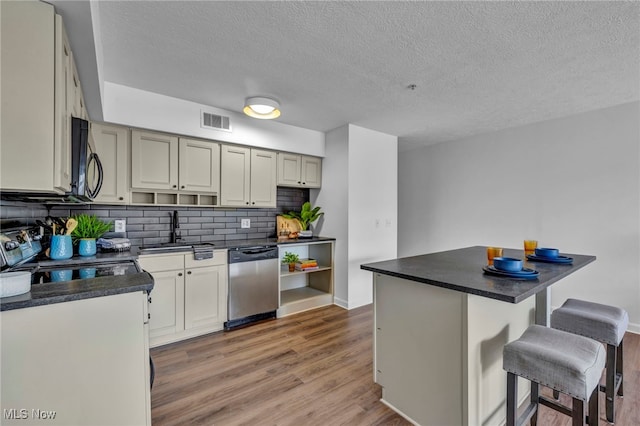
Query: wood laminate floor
point(312, 368)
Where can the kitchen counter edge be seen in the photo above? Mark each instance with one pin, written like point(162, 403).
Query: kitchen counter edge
point(235, 244)
point(51, 293)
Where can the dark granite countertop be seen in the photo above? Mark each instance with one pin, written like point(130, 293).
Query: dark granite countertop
point(44, 294)
point(234, 244)
point(67, 291)
point(461, 270)
point(274, 242)
point(47, 294)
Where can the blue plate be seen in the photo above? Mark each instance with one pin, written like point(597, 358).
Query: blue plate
point(560, 259)
point(525, 274)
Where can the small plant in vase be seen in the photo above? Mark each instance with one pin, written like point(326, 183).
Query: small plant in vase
point(291, 259)
point(305, 217)
point(89, 228)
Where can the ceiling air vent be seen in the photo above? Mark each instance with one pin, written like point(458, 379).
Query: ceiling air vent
point(215, 121)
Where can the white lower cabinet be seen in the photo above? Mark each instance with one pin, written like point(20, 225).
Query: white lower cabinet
point(84, 362)
point(204, 289)
point(167, 303)
point(189, 297)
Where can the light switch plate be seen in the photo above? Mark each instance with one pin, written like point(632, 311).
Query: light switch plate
point(120, 225)
point(245, 223)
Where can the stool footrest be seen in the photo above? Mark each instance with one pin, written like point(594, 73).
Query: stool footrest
point(527, 414)
point(555, 405)
point(603, 388)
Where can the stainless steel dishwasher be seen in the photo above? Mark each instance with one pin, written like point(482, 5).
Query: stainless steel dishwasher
point(253, 285)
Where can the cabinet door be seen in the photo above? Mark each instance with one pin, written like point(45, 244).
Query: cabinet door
point(112, 147)
point(289, 166)
point(167, 303)
point(235, 173)
point(27, 112)
point(199, 166)
point(311, 174)
point(154, 160)
point(63, 93)
point(76, 91)
point(263, 178)
point(98, 363)
point(205, 296)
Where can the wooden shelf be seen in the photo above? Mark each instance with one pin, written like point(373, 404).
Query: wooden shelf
point(157, 198)
point(286, 273)
point(304, 290)
point(302, 299)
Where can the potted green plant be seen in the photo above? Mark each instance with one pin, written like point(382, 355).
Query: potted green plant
point(291, 259)
point(89, 228)
point(305, 217)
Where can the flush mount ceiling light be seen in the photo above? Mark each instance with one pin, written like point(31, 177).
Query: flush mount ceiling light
point(264, 108)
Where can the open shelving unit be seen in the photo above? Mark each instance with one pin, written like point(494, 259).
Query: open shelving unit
point(304, 290)
point(151, 198)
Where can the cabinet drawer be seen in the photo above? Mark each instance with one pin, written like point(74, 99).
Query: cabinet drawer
point(219, 258)
point(156, 263)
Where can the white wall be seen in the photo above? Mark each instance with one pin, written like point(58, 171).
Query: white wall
point(571, 183)
point(359, 198)
point(373, 212)
point(333, 199)
point(139, 108)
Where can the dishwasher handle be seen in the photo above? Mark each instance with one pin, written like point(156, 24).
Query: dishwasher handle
point(266, 250)
point(252, 254)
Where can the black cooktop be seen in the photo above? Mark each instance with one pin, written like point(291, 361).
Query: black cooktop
point(65, 273)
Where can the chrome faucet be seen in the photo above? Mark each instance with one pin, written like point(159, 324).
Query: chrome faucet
point(175, 224)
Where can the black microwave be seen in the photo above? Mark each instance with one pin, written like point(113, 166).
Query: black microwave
point(86, 168)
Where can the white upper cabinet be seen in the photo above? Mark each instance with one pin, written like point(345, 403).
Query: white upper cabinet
point(299, 171)
point(235, 175)
point(112, 147)
point(38, 98)
point(199, 169)
point(248, 177)
point(154, 160)
point(27, 111)
point(165, 162)
point(311, 172)
point(263, 178)
point(63, 100)
point(76, 100)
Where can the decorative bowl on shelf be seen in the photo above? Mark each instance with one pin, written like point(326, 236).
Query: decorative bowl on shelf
point(508, 264)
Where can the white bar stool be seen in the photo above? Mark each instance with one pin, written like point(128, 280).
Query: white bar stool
point(562, 361)
point(606, 324)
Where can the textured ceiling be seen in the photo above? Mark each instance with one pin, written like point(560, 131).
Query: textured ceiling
point(477, 66)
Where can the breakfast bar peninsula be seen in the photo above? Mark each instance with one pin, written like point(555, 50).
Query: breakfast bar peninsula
point(440, 324)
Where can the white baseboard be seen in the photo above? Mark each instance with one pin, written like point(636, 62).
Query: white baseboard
point(340, 302)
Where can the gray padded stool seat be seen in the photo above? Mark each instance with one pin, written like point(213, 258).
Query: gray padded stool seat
point(606, 324)
point(562, 361)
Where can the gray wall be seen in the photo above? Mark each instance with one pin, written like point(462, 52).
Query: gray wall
point(151, 225)
point(571, 183)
